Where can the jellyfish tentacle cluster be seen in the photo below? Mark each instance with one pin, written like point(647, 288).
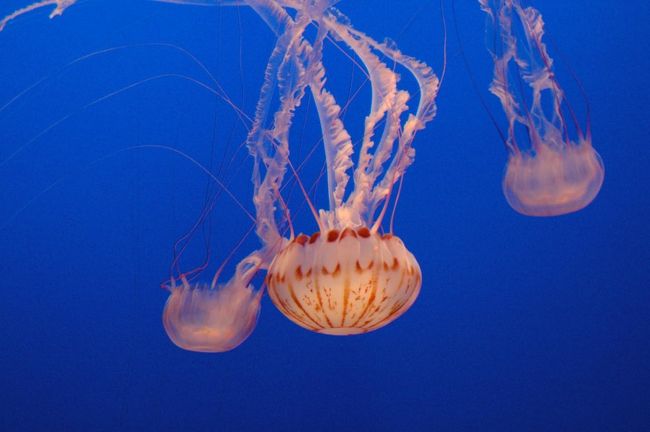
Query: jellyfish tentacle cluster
point(557, 173)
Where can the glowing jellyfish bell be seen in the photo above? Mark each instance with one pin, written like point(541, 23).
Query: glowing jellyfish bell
point(555, 180)
point(208, 318)
point(557, 174)
point(344, 282)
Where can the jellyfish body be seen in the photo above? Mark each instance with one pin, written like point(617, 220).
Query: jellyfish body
point(204, 319)
point(344, 283)
point(554, 181)
point(555, 173)
point(210, 317)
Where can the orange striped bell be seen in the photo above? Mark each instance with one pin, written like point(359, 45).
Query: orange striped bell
point(344, 283)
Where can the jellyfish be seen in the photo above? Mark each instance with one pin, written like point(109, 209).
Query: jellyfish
point(349, 277)
point(554, 173)
point(346, 278)
point(206, 318)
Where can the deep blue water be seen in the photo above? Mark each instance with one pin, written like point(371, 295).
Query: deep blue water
point(537, 324)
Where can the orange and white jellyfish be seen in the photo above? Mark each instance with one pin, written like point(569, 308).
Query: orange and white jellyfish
point(347, 278)
point(553, 173)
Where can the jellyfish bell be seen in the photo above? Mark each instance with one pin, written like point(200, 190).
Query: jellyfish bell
point(553, 181)
point(344, 282)
point(206, 317)
point(200, 318)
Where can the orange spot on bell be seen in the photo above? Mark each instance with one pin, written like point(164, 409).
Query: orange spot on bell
point(360, 269)
point(332, 235)
point(348, 232)
point(314, 237)
point(363, 232)
point(301, 239)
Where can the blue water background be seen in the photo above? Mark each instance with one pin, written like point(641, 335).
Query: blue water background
point(523, 324)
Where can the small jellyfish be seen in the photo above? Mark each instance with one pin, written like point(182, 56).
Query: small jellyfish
point(553, 173)
point(204, 318)
point(554, 181)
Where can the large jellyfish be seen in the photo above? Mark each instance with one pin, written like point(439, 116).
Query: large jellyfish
point(348, 278)
point(553, 173)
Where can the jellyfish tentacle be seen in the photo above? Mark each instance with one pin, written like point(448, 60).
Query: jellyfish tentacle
point(500, 85)
point(429, 85)
point(383, 83)
point(61, 6)
point(306, 59)
point(265, 191)
point(206, 2)
point(336, 139)
point(389, 103)
point(534, 65)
